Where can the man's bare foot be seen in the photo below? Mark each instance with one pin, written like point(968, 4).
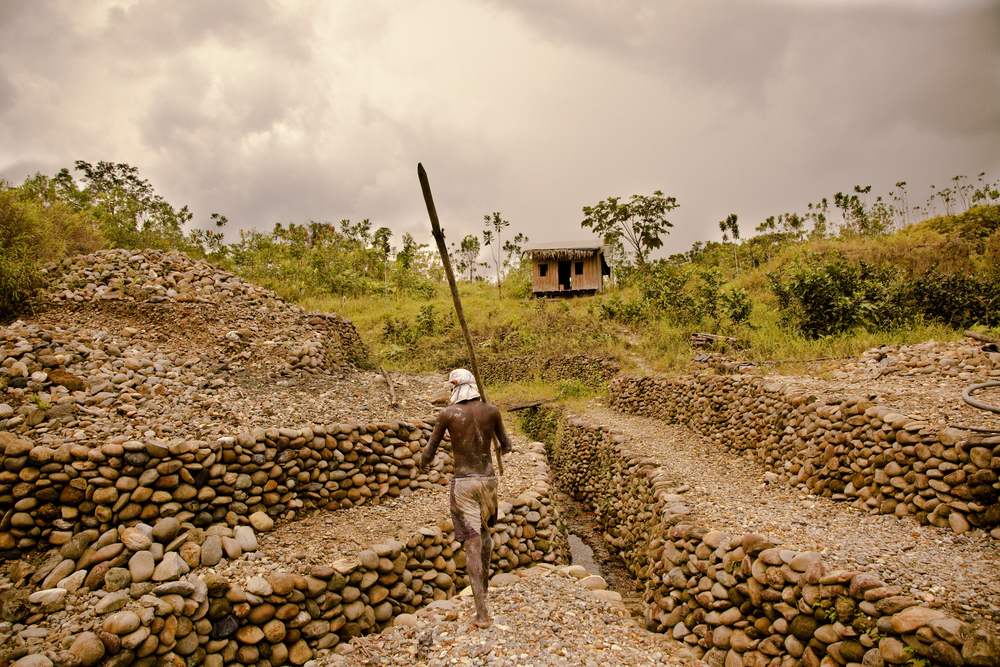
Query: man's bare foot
point(475, 624)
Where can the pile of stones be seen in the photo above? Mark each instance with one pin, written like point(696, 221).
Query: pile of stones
point(845, 449)
point(124, 563)
point(117, 456)
point(965, 359)
point(118, 282)
point(741, 600)
point(149, 275)
point(588, 370)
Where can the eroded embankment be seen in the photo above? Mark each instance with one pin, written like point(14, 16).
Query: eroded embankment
point(740, 599)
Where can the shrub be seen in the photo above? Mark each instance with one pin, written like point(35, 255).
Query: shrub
point(566, 389)
point(826, 294)
point(33, 232)
point(976, 224)
point(664, 291)
point(958, 300)
point(736, 305)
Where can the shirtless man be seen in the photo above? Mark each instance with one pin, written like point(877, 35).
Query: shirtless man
point(472, 425)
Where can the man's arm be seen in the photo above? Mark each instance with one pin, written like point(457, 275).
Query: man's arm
point(427, 455)
point(506, 446)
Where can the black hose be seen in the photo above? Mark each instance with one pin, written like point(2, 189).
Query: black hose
point(967, 396)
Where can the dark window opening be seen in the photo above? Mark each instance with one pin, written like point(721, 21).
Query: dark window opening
point(579, 268)
point(543, 269)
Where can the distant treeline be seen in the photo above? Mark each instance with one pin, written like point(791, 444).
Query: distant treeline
point(109, 205)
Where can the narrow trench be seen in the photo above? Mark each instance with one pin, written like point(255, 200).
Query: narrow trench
point(587, 548)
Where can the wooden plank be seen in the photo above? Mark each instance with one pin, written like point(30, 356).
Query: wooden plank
point(983, 338)
point(590, 279)
point(524, 405)
point(708, 339)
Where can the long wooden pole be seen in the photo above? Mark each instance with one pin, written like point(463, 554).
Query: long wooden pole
point(425, 186)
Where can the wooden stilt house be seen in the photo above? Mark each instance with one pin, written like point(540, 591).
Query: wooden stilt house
point(567, 268)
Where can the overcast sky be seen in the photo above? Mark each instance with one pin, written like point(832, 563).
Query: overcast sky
point(295, 111)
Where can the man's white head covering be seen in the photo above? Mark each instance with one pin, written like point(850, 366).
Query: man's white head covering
point(463, 385)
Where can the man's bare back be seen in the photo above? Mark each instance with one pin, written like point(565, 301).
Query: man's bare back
point(472, 425)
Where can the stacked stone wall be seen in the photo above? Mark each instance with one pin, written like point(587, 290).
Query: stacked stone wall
point(47, 494)
point(179, 613)
point(740, 600)
point(843, 448)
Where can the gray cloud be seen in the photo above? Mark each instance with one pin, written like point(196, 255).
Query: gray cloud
point(268, 113)
point(937, 68)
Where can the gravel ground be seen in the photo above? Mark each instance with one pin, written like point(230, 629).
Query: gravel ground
point(322, 537)
point(728, 492)
point(937, 399)
point(543, 618)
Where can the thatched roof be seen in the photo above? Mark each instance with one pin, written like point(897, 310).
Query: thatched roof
point(564, 250)
point(561, 254)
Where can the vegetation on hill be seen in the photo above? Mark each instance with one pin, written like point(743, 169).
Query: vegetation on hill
point(830, 282)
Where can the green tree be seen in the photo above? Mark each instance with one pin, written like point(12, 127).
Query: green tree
point(866, 219)
point(818, 214)
point(130, 213)
point(986, 192)
point(514, 249)
point(467, 253)
point(213, 244)
point(408, 255)
point(641, 222)
point(36, 227)
point(491, 239)
point(730, 226)
point(383, 250)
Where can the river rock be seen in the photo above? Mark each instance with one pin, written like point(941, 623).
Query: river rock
point(245, 537)
point(116, 579)
point(166, 530)
point(171, 567)
point(261, 522)
point(136, 540)
point(34, 660)
point(88, 648)
point(211, 551)
point(48, 601)
point(112, 602)
point(122, 623)
point(911, 618)
point(141, 566)
point(982, 649)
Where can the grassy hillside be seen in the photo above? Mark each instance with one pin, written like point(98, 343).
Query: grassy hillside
point(651, 316)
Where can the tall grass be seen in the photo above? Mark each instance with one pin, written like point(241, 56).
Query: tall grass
point(414, 334)
point(33, 233)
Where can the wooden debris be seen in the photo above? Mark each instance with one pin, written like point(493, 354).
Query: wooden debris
point(388, 381)
point(524, 405)
point(983, 338)
point(707, 339)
